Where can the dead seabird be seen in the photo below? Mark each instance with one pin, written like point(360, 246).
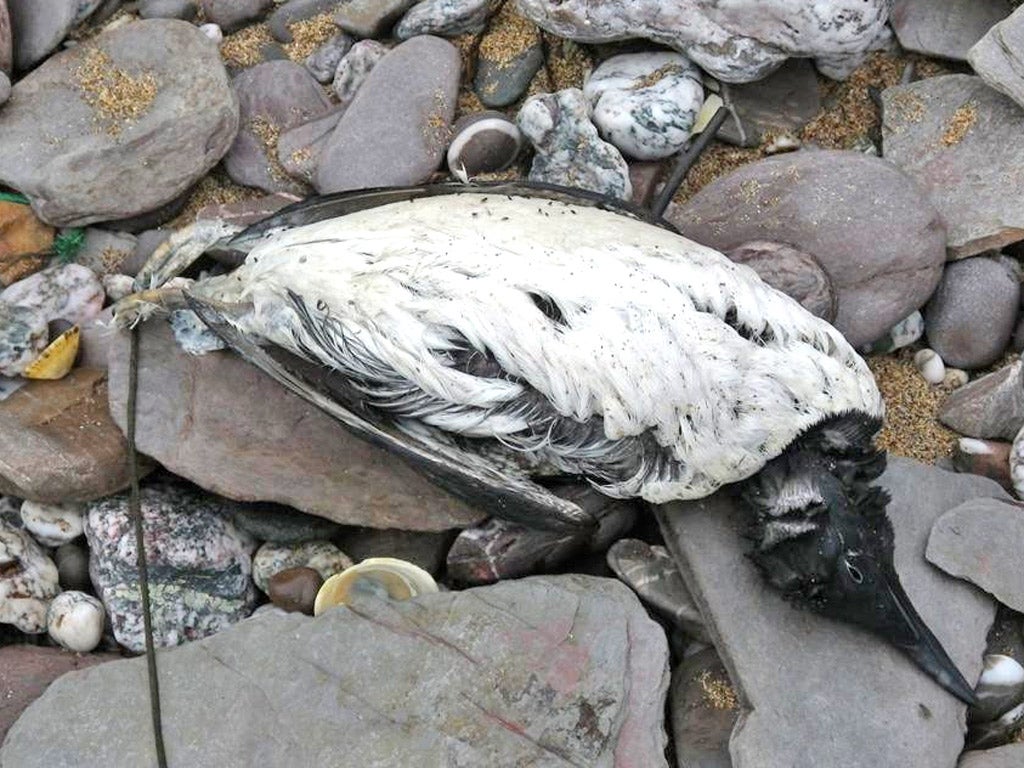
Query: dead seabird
point(492, 336)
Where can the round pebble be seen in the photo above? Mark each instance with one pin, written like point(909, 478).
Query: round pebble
point(484, 143)
point(23, 335)
point(273, 557)
point(75, 621)
point(294, 589)
point(72, 561)
point(212, 31)
point(52, 524)
point(930, 365)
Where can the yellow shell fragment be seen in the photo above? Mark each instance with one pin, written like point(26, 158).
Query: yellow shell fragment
point(711, 105)
point(56, 360)
point(383, 576)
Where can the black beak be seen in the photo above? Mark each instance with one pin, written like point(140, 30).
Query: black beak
point(896, 620)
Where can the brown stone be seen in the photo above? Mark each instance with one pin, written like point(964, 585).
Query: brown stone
point(23, 240)
point(294, 589)
point(232, 430)
point(797, 274)
point(26, 671)
point(58, 442)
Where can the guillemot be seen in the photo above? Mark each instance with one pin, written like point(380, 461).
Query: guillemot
point(496, 336)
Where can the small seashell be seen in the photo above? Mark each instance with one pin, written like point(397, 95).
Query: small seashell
point(384, 577)
point(955, 378)
point(57, 359)
point(930, 366)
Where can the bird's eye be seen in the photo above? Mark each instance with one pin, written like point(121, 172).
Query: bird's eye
point(855, 574)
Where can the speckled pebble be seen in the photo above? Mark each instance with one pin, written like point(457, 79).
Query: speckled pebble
point(28, 581)
point(568, 149)
point(68, 291)
point(294, 589)
point(645, 103)
point(52, 524)
point(323, 62)
point(484, 142)
point(23, 335)
point(354, 66)
point(273, 557)
point(75, 621)
point(930, 366)
point(447, 18)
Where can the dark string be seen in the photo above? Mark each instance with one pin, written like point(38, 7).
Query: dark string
point(685, 162)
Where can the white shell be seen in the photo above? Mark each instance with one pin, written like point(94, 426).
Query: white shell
point(383, 576)
point(53, 524)
point(75, 621)
point(930, 366)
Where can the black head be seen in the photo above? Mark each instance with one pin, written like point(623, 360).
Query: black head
point(827, 544)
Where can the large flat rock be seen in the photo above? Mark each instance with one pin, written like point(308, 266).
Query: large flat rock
point(58, 442)
point(547, 671)
point(959, 140)
point(948, 28)
point(867, 224)
point(231, 429)
point(818, 692)
point(999, 56)
point(980, 541)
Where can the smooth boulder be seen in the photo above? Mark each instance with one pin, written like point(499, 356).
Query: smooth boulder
point(229, 428)
point(880, 241)
point(137, 127)
point(561, 670)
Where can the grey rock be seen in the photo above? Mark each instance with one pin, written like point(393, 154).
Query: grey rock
point(62, 292)
point(545, 671)
point(970, 317)
point(1000, 688)
point(84, 167)
point(104, 251)
point(186, 10)
point(86, 8)
point(422, 548)
point(38, 26)
point(413, 91)
point(5, 88)
point(299, 148)
point(72, 561)
point(273, 557)
point(500, 81)
point(1010, 756)
point(295, 11)
point(645, 104)
point(499, 549)
point(980, 541)
point(569, 151)
point(323, 62)
point(877, 237)
point(781, 660)
point(704, 710)
point(354, 67)
point(947, 29)
point(483, 142)
point(999, 57)
point(370, 18)
point(58, 442)
point(785, 101)
point(6, 40)
point(273, 97)
point(225, 426)
point(651, 572)
point(232, 15)
point(991, 407)
point(736, 43)
point(447, 18)
point(957, 138)
point(797, 274)
point(282, 524)
point(200, 565)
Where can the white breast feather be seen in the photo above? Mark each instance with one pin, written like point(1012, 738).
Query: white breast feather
point(644, 343)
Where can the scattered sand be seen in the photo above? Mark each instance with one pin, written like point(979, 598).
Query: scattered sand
point(567, 65)
point(308, 35)
point(213, 189)
point(718, 160)
point(242, 49)
point(960, 124)
point(117, 97)
point(269, 134)
point(911, 405)
point(510, 34)
point(717, 692)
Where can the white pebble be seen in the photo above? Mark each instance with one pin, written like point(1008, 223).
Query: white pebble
point(955, 378)
point(75, 621)
point(1001, 670)
point(930, 366)
point(53, 524)
point(213, 32)
point(1017, 464)
point(974, 447)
